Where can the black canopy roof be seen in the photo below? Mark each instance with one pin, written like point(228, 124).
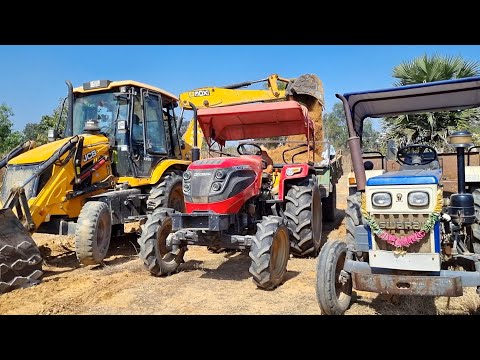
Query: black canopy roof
point(446, 95)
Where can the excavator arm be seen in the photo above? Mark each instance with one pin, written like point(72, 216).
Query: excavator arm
point(232, 94)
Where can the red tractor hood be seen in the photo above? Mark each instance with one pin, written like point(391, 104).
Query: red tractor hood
point(253, 161)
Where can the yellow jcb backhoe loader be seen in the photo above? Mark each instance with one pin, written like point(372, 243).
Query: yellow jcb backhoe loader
point(120, 157)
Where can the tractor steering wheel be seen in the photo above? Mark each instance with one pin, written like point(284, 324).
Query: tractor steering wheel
point(242, 149)
point(416, 154)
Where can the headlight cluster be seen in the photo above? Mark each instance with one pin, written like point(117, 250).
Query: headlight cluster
point(418, 198)
point(382, 199)
point(218, 185)
point(414, 198)
point(187, 175)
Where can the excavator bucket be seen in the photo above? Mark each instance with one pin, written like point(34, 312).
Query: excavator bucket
point(20, 258)
point(307, 84)
point(307, 89)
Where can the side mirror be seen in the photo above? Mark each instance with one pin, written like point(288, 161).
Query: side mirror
point(52, 135)
point(391, 150)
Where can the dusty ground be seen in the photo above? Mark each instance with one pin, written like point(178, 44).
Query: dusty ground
point(207, 284)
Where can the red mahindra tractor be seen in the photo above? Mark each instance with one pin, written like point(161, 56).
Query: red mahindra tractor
point(230, 202)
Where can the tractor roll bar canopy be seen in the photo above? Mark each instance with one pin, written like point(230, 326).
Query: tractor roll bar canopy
point(446, 95)
point(256, 120)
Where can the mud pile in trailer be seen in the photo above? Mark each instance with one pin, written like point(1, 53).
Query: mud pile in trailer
point(315, 107)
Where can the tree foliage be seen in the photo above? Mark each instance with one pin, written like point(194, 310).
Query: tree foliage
point(432, 128)
point(336, 131)
point(8, 138)
point(38, 131)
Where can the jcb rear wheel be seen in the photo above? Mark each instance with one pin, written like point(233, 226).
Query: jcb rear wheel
point(334, 289)
point(157, 255)
point(93, 231)
point(269, 253)
point(167, 193)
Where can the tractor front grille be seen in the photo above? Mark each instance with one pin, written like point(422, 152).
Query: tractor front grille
point(403, 225)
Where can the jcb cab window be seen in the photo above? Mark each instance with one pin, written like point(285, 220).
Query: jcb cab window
point(154, 125)
point(103, 107)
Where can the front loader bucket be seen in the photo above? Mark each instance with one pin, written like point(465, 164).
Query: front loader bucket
point(20, 259)
point(307, 89)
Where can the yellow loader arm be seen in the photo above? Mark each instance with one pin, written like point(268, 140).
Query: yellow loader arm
point(231, 95)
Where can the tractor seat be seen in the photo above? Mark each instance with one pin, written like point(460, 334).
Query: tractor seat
point(266, 177)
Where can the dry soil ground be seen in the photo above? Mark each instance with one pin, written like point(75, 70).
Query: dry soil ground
point(207, 284)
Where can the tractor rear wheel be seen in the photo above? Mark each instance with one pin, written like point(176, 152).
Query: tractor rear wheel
point(304, 218)
point(157, 255)
point(93, 232)
point(475, 228)
point(20, 258)
point(334, 288)
point(329, 205)
point(353, 216)
point(269, 252)
point(168, 193)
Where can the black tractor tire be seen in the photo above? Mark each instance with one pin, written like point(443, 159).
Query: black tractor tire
point(269, 252)
point(20, 264)
point(475, 228)
point(303, 212)
point(156, 255)
point(168, 193)
point(353, 216)
point(93, 232)
point(329, 205)
point(333, 296)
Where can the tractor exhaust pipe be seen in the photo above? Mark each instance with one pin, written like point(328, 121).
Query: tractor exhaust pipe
point(355, 147)
point(69, 127)
point(195, 149)
point(461, 207)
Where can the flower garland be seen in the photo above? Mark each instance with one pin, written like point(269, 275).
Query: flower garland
point(404, 241)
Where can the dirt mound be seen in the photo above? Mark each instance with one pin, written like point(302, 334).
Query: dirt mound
point(315, 113)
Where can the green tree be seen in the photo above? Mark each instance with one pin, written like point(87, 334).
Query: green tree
point(8, 138)
point(335, 129)
point(39, 131)
point(432, 128)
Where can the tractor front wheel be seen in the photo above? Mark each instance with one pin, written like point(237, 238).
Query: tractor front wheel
point(334, 285)
point(157, 255)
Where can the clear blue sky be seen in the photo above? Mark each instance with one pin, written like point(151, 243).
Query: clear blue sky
point(33, 76)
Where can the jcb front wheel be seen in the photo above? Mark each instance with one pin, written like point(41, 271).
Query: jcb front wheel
point(93, 231)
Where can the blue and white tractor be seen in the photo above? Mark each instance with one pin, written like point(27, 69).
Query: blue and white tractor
point(408, 233)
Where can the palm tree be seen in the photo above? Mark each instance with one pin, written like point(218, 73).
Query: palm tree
point(432, 128)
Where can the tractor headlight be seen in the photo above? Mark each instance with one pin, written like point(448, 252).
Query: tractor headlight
point(293, 170)
point(186, 187)
point(382, 199)
point(220, 174)
point(187, 175)
point(418, 198)
point(216, 186)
